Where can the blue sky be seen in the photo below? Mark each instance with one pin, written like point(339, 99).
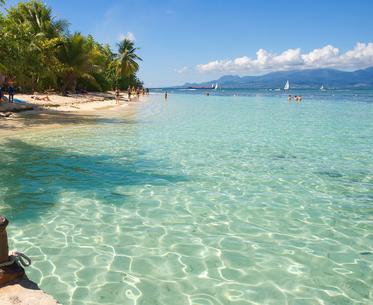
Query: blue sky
point(196, 40)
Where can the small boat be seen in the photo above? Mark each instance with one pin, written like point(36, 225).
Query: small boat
point(216, 87)
point(287, 85)
point(322, 88)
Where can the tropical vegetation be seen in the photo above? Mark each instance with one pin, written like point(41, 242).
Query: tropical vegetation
point(38, 53)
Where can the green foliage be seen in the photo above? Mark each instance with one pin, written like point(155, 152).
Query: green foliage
point(37, 51)
point(125, 64)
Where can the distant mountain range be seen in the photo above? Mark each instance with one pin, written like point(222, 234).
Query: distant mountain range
point(314, 78)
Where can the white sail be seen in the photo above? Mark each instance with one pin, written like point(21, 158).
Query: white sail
point(216, 86)
point(287, 85)
point(322, 88)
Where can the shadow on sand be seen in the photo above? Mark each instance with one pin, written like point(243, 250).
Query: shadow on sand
point(53, 117)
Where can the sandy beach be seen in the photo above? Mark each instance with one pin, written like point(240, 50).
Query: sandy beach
point(30, 113)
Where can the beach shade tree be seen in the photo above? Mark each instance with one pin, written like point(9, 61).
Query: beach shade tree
point(2, 45)
point(38, 17)
point(23, 53)
point(78, 61)
point(101, 57)
point(37, 50)
point(5, 46)
point(130, 81)
point(32, 35)
point(126, 63)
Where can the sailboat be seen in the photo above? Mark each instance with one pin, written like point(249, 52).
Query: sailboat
point(287, 85)
point(322, 88)
point(216, 86)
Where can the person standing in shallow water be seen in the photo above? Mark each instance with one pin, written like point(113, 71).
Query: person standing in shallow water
point(165, 96)
point(129, 94)
point(117, 96)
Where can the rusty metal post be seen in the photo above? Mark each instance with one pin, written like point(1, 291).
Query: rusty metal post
point(8, 272)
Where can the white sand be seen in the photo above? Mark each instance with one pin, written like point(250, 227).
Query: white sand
point(72, 102)
point(60, 111)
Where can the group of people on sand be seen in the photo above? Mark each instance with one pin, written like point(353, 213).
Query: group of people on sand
point(297, 98)
point(9, 89)
point(133, 91)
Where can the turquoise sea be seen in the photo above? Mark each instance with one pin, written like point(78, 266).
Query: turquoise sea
point(234, 198)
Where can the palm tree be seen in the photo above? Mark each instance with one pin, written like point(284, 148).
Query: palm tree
point(78, 61)
point(32, 35)
point(126, 64)
point(38, 18)
point(38, 51)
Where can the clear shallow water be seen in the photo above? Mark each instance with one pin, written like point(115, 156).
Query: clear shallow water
point(349, 95)
point(199, 200)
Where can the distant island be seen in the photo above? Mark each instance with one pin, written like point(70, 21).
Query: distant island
point(312, 78)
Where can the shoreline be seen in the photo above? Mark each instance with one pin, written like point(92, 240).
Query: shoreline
point(60, 111)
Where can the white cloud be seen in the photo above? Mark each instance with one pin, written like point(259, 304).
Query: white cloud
point(361, 56)
point(182, 70)
point(129, 36)
point(325, 56)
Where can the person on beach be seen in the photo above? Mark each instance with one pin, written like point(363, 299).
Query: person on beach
point(40, 98)
point(165, 96)
point(117, 96)
point(147, 91)
point(138, 93)
point(129, 94)
point(11, 94)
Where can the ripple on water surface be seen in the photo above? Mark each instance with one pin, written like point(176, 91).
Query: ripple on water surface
point(199, 200)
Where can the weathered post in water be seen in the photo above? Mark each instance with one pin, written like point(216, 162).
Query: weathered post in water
point(4, 249)
point(9, 269)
